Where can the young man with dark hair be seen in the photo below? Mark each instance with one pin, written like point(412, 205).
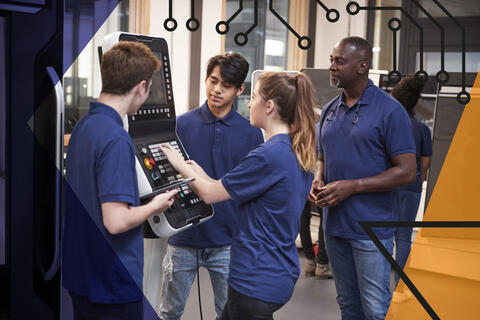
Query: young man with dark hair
point(366, 150)
point(217, 138)
point(103, 240)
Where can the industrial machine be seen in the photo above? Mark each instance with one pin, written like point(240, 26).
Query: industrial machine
point(153, 125)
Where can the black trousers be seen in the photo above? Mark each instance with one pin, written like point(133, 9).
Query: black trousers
point(306, 238)
point(83, 309)
point(241, 307)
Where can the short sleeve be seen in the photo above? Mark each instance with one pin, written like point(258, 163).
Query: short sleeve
point(398, 133)
point(426, 142)
point(252, 177)
point(254, 138)
point(116, 178)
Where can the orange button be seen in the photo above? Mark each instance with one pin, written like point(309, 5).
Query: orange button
point(147, 163)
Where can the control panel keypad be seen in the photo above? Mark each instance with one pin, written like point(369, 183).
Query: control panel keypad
point(162, 172)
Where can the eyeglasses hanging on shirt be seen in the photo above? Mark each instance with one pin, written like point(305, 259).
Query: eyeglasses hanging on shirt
point(331, 114)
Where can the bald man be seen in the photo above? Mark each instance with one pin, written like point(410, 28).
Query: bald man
point(366, 149)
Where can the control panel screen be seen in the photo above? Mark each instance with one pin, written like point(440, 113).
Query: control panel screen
point(157, 90)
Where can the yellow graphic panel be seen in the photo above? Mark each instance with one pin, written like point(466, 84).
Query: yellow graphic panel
point(444, 263)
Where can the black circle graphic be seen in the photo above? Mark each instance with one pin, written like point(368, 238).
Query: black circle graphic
point(308, 44)
point(192, 24)
point(334, 13)
point(394, 76)
point(392, 22)
point(463, 97)
point(353, 8)
point(167, 22)
point(442, 76)
point(241, 39)
point(219, 25)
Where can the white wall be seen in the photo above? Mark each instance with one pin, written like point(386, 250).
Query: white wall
point(328, 34)
point(178, 46)
point(211, 40)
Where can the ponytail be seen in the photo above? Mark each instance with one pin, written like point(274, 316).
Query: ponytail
point(303, 127)
point(294, 96)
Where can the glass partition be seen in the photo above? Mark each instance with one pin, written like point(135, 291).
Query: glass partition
point(82, 81)
point(266, 48)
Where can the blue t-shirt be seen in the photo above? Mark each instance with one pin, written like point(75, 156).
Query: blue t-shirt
point(217, 145)
point(271, 190)
point(359, 142)
point(423, 142)
point(101, 168)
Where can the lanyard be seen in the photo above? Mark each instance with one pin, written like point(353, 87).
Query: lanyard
point(332, 113)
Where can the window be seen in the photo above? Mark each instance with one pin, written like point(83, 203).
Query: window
point(383, 37)
point(453, 61)
point(267, 43)
point(457, 8)
point(82, 81)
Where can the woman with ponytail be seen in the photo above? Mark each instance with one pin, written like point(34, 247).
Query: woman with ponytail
point(270, 186)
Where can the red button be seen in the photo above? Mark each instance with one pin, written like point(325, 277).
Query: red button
point(152, 162)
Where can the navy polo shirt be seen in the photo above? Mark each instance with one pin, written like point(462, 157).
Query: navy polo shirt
point(217, 145)
point(101, 168)
point(423, 142)
point(271, 190)
point(359, 142)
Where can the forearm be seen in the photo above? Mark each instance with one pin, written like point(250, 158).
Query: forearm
point(388, 180)
point(120, 217)
point(208, 189)
point(425, 165)
point(319, 171)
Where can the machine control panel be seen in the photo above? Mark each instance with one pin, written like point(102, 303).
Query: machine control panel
point(152, 125)
point(160, 172)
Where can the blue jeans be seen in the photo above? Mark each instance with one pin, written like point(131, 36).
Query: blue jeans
point(406, 207)
point(179, 270)
point(362, 277)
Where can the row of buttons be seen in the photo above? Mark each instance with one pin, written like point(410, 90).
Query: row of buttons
point(194, 200)
point(165, 168)
point(165, 63)
point(172, 143)
point(152, 111)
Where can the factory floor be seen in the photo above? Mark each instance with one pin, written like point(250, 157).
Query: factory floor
point(312, 298)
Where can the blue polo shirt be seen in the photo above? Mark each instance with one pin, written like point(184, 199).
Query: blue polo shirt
point(271, 190)
point(101, 168)
point(423, 142)
point(359, 142)
point(217, 145)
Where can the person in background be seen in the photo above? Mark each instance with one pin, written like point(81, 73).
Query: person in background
point(316, 264)
point(102, 261)
point(270, 186)
point(366, 150)
point(217, 137)
point(407, 92)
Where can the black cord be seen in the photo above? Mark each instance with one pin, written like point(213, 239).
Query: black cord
point(198, 274)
